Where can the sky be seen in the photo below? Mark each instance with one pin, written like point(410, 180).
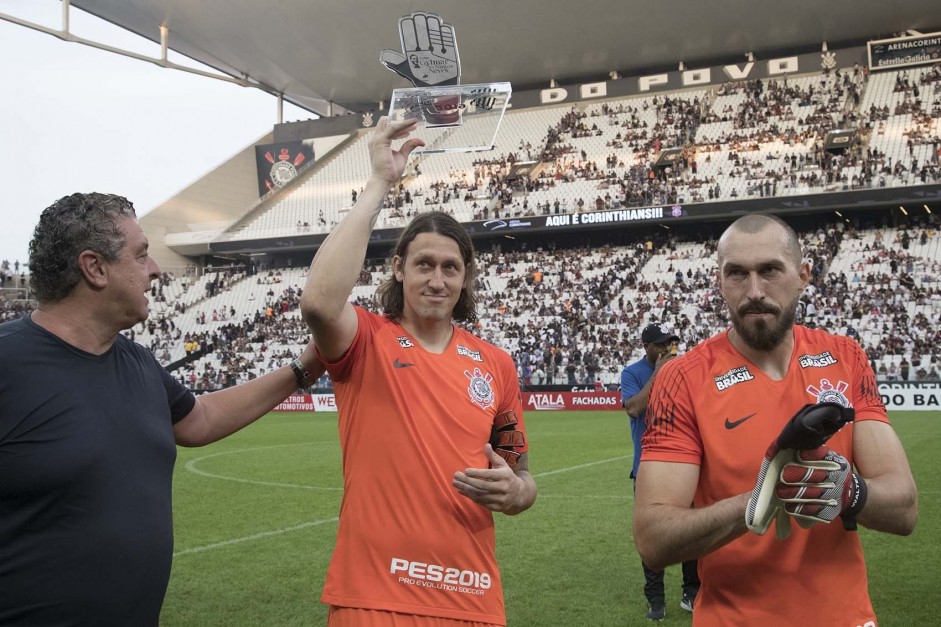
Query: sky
point(77, 119)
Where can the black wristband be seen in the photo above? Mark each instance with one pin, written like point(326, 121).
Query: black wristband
point(304, 380)
point(853, 509)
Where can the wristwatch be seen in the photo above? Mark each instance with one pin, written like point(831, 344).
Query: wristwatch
point(304, 380)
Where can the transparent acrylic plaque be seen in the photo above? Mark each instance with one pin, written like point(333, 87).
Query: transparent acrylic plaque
point(453, 118)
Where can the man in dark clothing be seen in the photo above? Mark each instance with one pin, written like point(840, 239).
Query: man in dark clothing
point(88, 426)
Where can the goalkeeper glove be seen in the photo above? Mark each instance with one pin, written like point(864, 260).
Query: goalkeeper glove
point(819, 485)
point(505, 439)
point(808, 429)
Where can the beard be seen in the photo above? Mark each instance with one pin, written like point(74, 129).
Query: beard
point(759, 334)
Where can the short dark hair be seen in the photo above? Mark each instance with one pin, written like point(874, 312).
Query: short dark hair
point(66, 228)
point(755, 222)
point(391, 293)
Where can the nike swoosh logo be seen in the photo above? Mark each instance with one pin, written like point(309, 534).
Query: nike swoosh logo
point(731, 424)
point(401, 364)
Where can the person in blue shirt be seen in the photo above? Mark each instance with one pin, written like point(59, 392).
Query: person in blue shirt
point(636, 383)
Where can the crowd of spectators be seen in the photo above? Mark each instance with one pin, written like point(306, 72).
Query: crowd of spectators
point(13, 308)
point(570, 315)
point(754, 138)
point(890, 303)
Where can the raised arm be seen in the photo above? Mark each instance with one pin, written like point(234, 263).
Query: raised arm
point(337, 265)
point(222, 413)
point(666, 529)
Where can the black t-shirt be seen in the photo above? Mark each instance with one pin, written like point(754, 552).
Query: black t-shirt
point(86, 464)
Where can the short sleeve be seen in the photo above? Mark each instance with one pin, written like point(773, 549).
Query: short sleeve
point(341, 369)
point(180, 399)
point(630, 384)
point(672, 433)
point(867, 402)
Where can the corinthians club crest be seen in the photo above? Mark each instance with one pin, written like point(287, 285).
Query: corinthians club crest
point(279, 164)
point(284, 169)
point(829, 393)
point(479, 389)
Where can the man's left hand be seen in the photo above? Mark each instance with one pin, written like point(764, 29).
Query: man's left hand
point(497, 488)
point(818, 485)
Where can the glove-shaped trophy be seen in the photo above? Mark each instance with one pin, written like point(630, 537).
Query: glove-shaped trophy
point(452, 117)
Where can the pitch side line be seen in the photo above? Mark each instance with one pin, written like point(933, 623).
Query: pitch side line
point(257, 536)
point(580, 466)
point(582, 497)
point(191, 466)
point(316, 523)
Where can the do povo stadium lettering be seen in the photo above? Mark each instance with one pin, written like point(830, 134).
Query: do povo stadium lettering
point(687, 78)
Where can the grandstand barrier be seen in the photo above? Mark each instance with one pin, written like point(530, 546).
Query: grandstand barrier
point(859, 198)
point(908, 396)
point(308, 402)
point(189, 358)
point(532, 401)
point(911, 395)
point(571, 401)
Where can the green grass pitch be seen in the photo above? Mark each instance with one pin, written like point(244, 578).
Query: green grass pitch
point(255, 522)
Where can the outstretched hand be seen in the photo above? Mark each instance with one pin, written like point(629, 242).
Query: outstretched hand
point(497, 488)
point(388, 164)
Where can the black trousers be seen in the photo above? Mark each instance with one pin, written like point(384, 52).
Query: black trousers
point(653, 583)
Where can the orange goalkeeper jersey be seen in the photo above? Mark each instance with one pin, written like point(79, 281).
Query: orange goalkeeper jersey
point(407, 540)
point(714, 408)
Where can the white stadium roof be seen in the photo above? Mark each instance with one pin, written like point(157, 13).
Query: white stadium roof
point(316, 52)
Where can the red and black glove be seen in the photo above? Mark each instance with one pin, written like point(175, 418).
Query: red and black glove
point(818, 485)
point(808, 429)
point(506, 439)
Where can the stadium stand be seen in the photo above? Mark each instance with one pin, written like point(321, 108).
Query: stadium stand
point(568, 313)
point(760, 138)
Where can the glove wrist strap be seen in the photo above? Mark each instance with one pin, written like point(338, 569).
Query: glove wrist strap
point(853, 509)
